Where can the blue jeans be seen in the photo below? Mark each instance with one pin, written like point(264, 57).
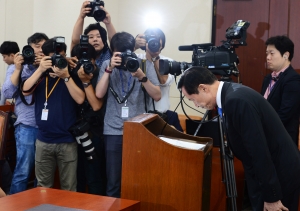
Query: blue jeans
point(25, 142)
point(113, 154)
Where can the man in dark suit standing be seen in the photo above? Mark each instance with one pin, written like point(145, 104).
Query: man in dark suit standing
point(282, 87)
point(256, 136)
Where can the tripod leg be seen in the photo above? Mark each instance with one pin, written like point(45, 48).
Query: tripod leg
point(227, 170)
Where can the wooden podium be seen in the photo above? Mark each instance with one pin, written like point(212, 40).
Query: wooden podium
point(164, 177)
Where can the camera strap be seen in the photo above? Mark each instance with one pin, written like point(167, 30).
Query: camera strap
point(123, 91)
point(20, 91)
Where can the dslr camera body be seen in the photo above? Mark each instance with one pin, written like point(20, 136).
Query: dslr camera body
point(28, 55)
point(153, 43)
point(96, 11)
point(88, 66)
point(57, 59)
point(129, 61)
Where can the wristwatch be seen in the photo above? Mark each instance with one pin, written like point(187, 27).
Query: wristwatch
point(67, 79)
point(144, 79)
point(85, 85)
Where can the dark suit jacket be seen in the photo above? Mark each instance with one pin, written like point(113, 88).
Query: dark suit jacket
point(285, 99)
point(258, 138)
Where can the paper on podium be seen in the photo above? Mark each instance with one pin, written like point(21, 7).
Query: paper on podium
point(187, 144)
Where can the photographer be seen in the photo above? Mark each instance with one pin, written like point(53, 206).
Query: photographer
point(91, 159)
point(97, 34)
point(25, 125)
point(8, 49)
point(124, 100)
point(153, 41)
point(56, 98)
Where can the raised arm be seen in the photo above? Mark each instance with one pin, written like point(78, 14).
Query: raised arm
point(78, 27)
point(95, 102)
point(45, 64)
point(108, 24)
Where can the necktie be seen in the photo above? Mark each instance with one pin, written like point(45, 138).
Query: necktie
point(220, 112)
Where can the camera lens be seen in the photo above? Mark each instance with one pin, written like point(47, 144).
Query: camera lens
point(99, 14)
point(88, 68)
point(132, 65)
point(61, 63)
point(153, 45)
point(27, 52)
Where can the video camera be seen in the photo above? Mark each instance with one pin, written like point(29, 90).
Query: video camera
point(88, 66)
point(153, 43)
point(28, 55)
point(57, 59)
point(129, 61)
point(96, 11)
point(221, 60)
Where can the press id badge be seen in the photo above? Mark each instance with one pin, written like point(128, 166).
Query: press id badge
point(45, 114)
point(125, 112)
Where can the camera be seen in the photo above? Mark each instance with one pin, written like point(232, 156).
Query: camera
point(153, 43)
point(96, 12)
point(57, 59)
point(88, 66)
point(221, 60)
point(129, 61)
point(28, 54)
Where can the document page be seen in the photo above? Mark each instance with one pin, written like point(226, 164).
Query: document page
point(182, 143)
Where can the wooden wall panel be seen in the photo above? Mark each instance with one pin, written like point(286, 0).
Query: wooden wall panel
point(278, 20)
point(294, 31)
point(252, 56)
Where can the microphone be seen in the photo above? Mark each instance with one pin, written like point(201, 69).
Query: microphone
point(186, 48)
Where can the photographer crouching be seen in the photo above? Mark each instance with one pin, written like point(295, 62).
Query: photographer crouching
point(88, 129)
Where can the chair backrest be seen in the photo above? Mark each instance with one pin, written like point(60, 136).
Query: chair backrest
point(3, 129)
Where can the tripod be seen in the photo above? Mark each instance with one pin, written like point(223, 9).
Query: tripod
point(227, 166)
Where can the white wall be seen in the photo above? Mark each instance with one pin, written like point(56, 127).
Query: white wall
point(184, 23)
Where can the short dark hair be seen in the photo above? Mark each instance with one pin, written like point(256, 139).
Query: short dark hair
point(157, 32)
point(91, 52)
point(282, 44)
point(102, 31)
point(48, 47)
point(36, 38)
point(194, 76)
point(122, 41)
point(9, 47)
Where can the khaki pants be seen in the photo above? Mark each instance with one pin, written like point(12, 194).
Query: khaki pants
point(64, 155)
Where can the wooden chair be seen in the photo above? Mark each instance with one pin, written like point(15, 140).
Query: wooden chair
point(3, 130)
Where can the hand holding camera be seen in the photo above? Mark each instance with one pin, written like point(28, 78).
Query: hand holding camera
point(45, 64)
point(140, 41)
point(84, 77)
point(96, 10)
point(72, 61)
point(115, 61)
point(18, 61)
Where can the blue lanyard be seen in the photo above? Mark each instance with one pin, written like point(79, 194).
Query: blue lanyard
point(128, 83)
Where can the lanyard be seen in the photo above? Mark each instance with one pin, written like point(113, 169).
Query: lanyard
point(128, 83)
point(46, 91)
point(125, 97)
